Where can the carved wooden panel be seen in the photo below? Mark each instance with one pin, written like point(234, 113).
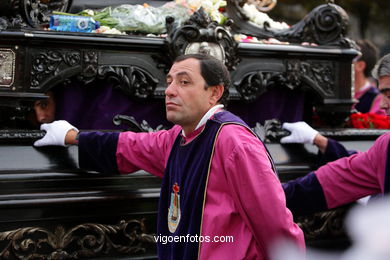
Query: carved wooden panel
point(51, 63)
point(78, 242)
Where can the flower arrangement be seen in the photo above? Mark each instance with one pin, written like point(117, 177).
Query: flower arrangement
point(262, 19)
point(369, 120)
point(212, 7)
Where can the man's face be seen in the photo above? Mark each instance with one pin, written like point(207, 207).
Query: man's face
point(45, 110)
point(384, 88)
point(186, 98)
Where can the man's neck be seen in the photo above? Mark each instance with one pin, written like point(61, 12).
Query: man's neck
point(360, 82)
point(189, 129)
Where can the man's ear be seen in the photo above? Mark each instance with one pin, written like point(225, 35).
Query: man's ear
point(360, 65)
point(216, 93)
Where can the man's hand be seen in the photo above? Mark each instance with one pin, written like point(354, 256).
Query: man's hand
point(59, 133)
point(303, 133)
point(300, 133)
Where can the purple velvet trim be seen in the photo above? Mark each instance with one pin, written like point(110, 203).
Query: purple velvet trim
point(305, 195)
point(283, 104)
point(97, 151)
point(93, 106)
point(334, 151)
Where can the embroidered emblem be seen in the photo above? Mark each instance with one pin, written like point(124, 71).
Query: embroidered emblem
point(174, 209)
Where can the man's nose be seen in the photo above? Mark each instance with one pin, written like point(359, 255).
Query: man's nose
point(41, 117)
point(385, 102)
point(171, 90)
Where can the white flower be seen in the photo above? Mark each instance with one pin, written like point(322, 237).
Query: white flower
point(216, 16)
point(260, 18)
point(90, 12)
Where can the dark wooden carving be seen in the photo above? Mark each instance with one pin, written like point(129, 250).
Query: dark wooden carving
point(254, 84)
point(323, 225)
point(12, 23)
point(90, 66)
point(20, 134)
point(316, 75)
point(210, 37)
point(50, 66)
point(85, 240)
point(132, 80)
point(19, 13)
point(325, 25)
point(50, 63)
point(319, 75)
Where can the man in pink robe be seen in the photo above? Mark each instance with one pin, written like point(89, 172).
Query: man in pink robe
point(243, 197)
point(349, 178)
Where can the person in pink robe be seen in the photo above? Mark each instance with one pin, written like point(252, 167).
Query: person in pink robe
point(243, 199)
point(346, 179)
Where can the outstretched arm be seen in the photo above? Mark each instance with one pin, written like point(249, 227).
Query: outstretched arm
point(59, 133)
point(304, 195)
point(302, 133)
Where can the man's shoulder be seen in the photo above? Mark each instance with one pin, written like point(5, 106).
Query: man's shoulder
point(237, 134)
point(381, 145)
point(371, 91)
point(225, 116)
point(385, 138)
point(237, 140)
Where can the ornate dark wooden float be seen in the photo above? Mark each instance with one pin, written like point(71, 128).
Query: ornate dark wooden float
point(50, 209)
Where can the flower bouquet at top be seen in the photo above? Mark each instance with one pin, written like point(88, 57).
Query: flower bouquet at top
point(148, 19)
point(262, 19)
point(212, 8)
point(369, 120)
point(137, 18)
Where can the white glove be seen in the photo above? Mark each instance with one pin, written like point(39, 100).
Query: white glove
point(55, 133)
point(300, 133)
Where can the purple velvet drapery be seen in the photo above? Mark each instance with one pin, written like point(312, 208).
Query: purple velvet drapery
point(94, 105)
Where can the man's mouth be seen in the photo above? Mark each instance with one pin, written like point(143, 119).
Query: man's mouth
point(171, 104)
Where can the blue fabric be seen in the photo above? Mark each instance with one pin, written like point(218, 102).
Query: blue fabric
point(305, 195)
point(188, 166)
point(365, 101)
point(97, 151)
point(334, 150)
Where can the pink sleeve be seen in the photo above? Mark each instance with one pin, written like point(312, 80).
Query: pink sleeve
point(256, 190)
point(350, 178)
point(375, 107)
point(147, 151)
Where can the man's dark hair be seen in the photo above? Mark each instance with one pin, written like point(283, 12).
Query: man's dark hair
point(370, 55)
point(213, 71)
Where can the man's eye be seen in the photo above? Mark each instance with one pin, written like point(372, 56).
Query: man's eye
point(43, 104)
point(184, 82)
point(385, 92)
